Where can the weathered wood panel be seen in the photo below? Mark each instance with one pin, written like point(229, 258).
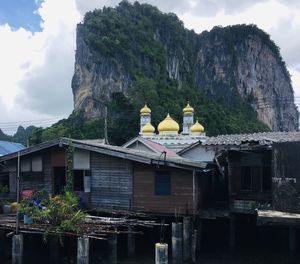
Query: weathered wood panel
point(48, 173)
point(111, 182)
point(181, 197)
point(286, 178)
point(255, 162)
point(58, 158)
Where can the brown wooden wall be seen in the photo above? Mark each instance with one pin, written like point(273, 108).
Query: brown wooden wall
point(257, 160)
point(181, 197)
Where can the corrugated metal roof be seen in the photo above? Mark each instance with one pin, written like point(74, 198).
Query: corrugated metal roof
point(264, 138)
point(7, 147)
point(121, 152)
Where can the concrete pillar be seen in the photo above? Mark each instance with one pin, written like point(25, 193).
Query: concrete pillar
point(53, 249)
point(232, 234)
point(186, 239)
point(194, 246)
point(292, 239)
point(131, 242)
point(161, 253)
point(17, 249)
point(83, 247)
point(176, 243)
point(112, 249)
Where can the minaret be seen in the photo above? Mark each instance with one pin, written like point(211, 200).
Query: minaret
point(145, 117)
point(188, 119)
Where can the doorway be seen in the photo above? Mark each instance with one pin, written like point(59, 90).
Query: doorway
point(59, 174)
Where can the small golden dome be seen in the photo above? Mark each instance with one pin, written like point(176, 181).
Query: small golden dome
point(197, 128)
point(168, 126)
point(148, 129)
point(145, 110)
point(188, 109)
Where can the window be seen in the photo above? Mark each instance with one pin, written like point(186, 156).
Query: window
point(162, 183)
point(81, 180)
point(33, 164)
point(246, 178)
point(81, 160)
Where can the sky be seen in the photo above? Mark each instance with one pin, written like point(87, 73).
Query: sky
point(38, 42)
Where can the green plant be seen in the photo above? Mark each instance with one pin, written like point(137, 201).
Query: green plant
point(59, 214)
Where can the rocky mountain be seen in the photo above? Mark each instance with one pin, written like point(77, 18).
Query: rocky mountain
point(21, 136)
point(138, 51)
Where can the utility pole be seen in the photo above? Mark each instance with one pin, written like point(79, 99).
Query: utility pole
point(18, 193)
point(105, 126)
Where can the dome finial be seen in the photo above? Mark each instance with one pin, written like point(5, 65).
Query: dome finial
point(145, 110)
point(188, 109)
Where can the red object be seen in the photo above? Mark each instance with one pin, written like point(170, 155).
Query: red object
point(26, 194)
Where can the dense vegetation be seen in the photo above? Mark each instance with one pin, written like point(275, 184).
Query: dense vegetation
point(75, 126)
point(132, 35)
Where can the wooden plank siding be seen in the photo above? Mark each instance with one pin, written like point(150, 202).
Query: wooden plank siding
point(38, 180)
point(48, 172)
point(111, 182)
point(181, 197)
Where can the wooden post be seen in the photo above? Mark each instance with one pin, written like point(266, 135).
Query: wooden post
point(53, 249)
point(131, 242)
point(232, 234)
point(186, 239)
point(161, 253)
point(112, 249)
point(177, 243)
point(292, 239)
point(199, 234)
point(194, 246)
point(83, 250)
point(2, 246)
point(17, 249)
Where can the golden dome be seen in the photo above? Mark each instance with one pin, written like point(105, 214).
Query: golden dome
point(197, 128)
point(188, 109)
point(168, 126)
point(148, 129)
point(145, 110)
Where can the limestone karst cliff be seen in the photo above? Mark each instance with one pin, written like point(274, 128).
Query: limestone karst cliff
point(138, 52)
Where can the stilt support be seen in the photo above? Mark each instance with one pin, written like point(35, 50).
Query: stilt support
point(161, 253)
point(177, 243)
point(53, 249)
point(232, 234)
point(17, 249)
point(83, 247)
point(194, 246)
point(113, 249)
point(292, 239)
point(186, 239)
point(131, 242)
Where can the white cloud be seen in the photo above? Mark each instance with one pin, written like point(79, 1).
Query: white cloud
point(46, 88)
point(37, 67)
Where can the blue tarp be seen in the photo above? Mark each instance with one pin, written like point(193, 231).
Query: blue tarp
point(9, 147)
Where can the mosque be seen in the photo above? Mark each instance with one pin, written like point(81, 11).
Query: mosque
point(168, 130)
